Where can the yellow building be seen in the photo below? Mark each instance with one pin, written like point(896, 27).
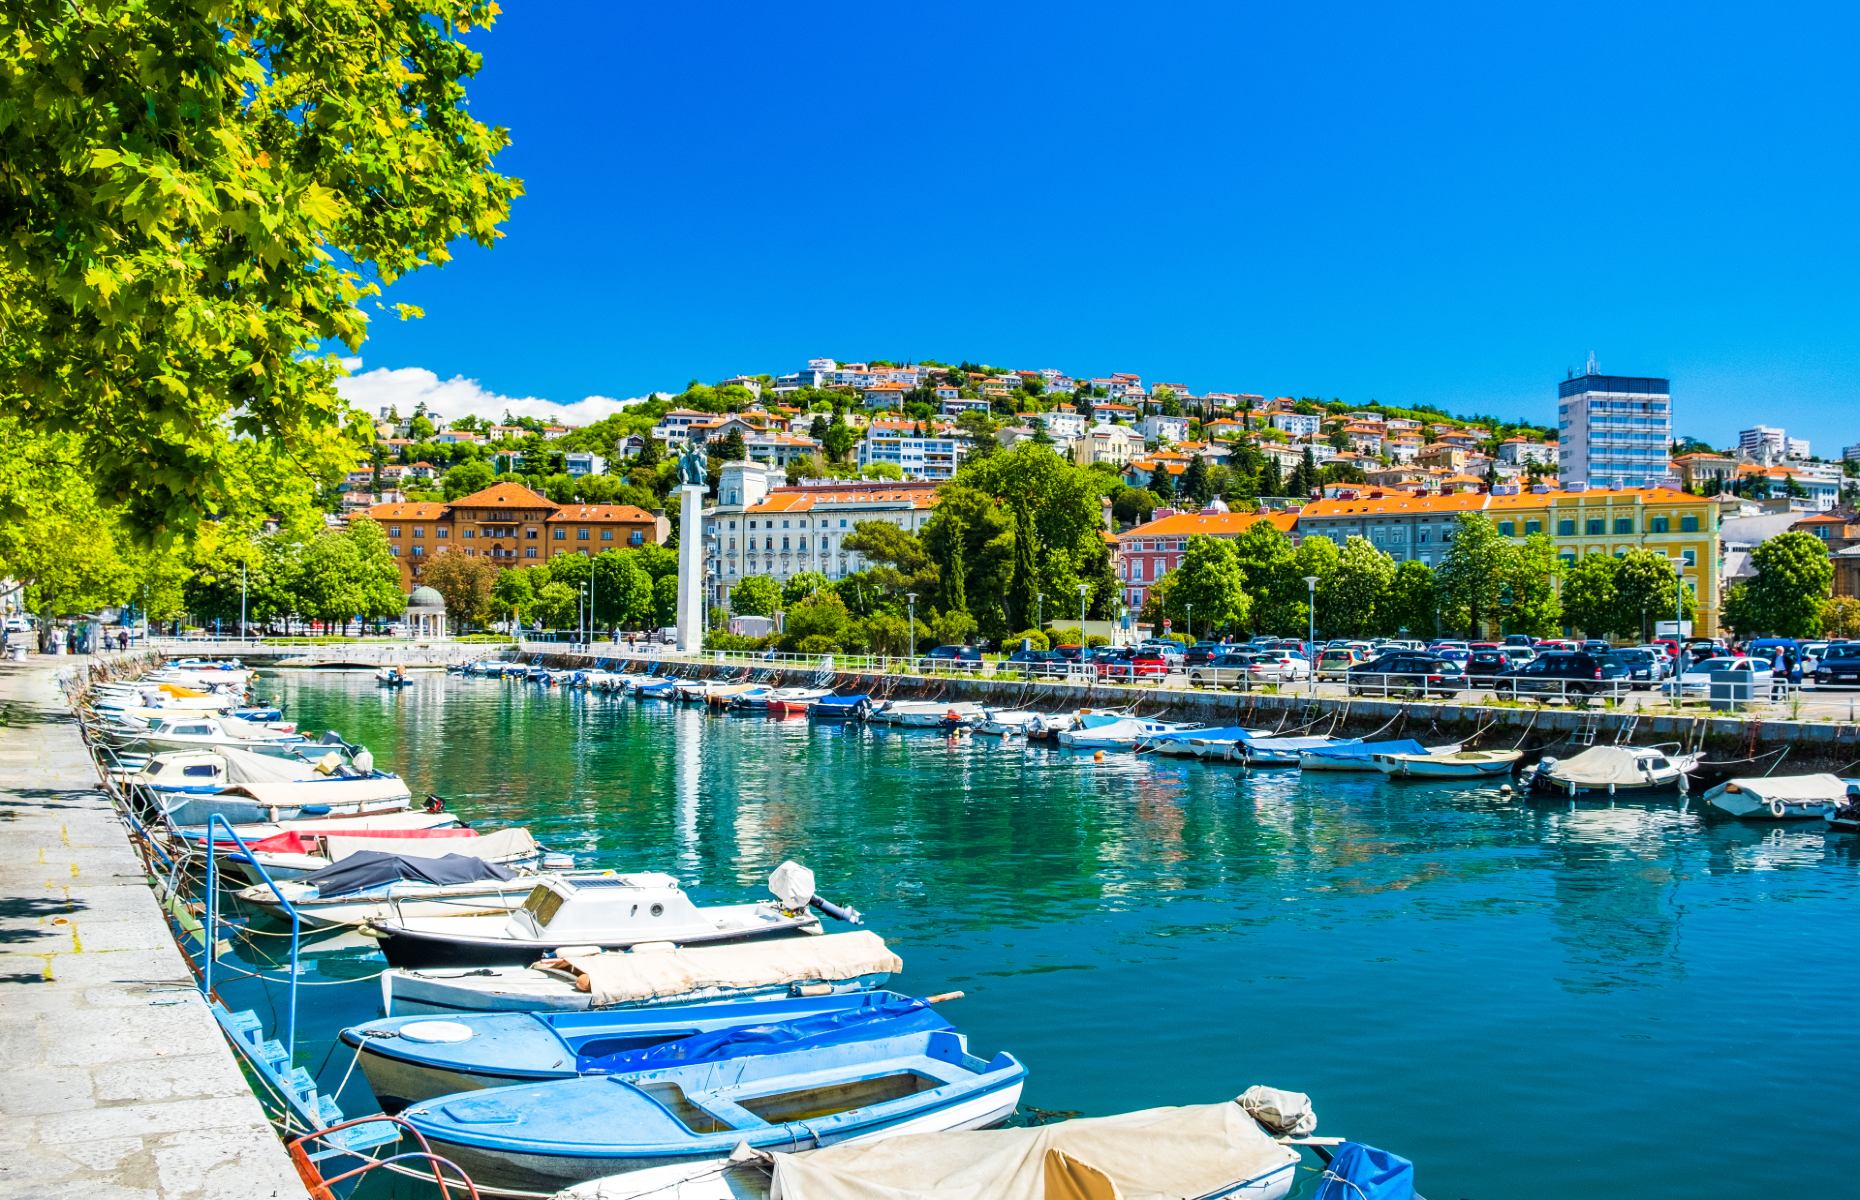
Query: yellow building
point(1613, 521)
point(1597, 521)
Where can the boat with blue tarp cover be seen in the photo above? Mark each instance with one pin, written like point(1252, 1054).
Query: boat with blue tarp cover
point(1356, 756)
point(1285, 751)
point(533, 1137)
point(849, 707)
point(409, 1059)
point(1197, 743)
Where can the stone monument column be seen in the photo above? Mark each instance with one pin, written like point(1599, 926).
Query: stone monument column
point(693, 474)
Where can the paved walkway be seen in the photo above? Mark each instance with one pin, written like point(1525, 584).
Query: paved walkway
point(115, 1082)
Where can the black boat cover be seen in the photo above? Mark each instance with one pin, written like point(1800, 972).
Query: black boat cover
point(369, 869)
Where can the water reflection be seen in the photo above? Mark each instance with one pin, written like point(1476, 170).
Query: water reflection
point(1401, 935)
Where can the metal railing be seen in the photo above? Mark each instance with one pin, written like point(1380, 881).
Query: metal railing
point(217, 821)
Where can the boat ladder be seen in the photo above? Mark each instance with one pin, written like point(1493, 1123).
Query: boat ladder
point(1591, 725)
point(1625, 735)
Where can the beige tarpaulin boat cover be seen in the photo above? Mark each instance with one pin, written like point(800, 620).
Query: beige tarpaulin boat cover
point(661, 969)
point(496, 846)
point(1792, 789)
point(1148, 1155)
point(1600, 766)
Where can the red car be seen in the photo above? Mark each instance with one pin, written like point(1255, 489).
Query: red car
point(1129, 663)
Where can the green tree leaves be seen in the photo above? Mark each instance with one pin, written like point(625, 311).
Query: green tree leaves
point(1794, 577)
point(755, 596)
point(200, 201)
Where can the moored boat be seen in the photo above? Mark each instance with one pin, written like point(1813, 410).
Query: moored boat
point(610, 912)
point(1196, 743)
point(845, 707)
point(409, 1059)
point(1283, 751)
point(1606, 772)
point(1449, 764)
point(536, 1136)
point(649, 976)
point(1237, 1149)
point(1357, 756)
point(1779, 797)
point(794, 701)
point(1116, 731)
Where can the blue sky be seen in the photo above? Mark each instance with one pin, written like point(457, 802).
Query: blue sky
point(1447, 204)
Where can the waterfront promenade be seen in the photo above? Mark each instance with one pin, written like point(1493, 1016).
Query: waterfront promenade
point(118, 1082)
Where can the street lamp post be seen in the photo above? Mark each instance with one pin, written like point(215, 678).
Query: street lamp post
point(1311, 644)
point(1082, 641)
point(581, 616)
point(1190, 623)
point(242, 602)
point(911, 621)
point(1039, 610)
point(591, 601)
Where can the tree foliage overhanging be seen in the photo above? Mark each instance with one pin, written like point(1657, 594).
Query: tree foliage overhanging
point(199, 199)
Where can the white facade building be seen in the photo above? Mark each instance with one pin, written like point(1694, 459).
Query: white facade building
point(762, 528)
point(1615, 430)
point(1297, 425)
point(934, 458)
point(1164, 429)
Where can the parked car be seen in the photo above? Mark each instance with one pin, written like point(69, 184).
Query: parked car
point(952, 658)
point(1838, 666)
point(1405, 673)
point(1695, 679)
point(1230, 668)
point(1520, 639)
point(1567, 673)
point(1201, 653)
point(1644, 668)
point(1284, 666)
point(1130, 662)
point(1167, 647)
point(1335, 663)
point(1038, 662)
point(1487, 665)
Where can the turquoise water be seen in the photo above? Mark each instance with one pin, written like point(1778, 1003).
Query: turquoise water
point(1529, 1002)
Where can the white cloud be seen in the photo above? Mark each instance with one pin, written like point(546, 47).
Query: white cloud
point(404, 388)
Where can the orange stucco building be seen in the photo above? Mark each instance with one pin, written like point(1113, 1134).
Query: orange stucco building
point(512, 526)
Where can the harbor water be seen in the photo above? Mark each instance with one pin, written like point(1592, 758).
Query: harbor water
point(1528, 1001)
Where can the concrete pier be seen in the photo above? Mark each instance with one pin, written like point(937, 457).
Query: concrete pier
point(118, 1082)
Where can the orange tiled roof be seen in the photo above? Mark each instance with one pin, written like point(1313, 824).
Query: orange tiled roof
point(1212, 524)
point(504, 495)
point(630, 514)
point(806, 496)
point(407, 511)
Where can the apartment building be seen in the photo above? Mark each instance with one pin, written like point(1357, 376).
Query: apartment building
point(1614, 430)
point(1147, 552)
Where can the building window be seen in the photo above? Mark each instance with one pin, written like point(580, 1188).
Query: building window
point(639, 539)
point(1566, 528)
point(561, 535)
point(1689, 523)
point(470, 532)
point(393, 531)
point(581, 535)
point(419, 532)
point(418, 551)
point(1507, 528)
point(1594, 527)
point(441, 532)
point(1569, 560)
point(470, 553)
point(1624, 524)
point(1690, 557)
point(1531, 527)
point(394, 550)
point(607, 535)
point(530, 534)
point(529, 552)
point(1658, 524)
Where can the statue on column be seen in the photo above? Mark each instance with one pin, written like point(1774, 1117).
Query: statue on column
point(694, 467)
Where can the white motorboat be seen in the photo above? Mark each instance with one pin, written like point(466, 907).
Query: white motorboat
point(1605, 772)
point(613, 912)
point(1009, 722)
point(255, 831)
point(289, 799)
point(927, 714)
point(648, 976)
point(1284, 751)
point(1780, 797)
point(1448, 764)
point(203, 730)
point(387, 894)
point(210, 770)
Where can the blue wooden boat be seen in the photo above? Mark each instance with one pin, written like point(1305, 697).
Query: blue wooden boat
point(849, 707)
point(1355, 756)
point(409, 1059)
point(545, 1136)
point(664, 689)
